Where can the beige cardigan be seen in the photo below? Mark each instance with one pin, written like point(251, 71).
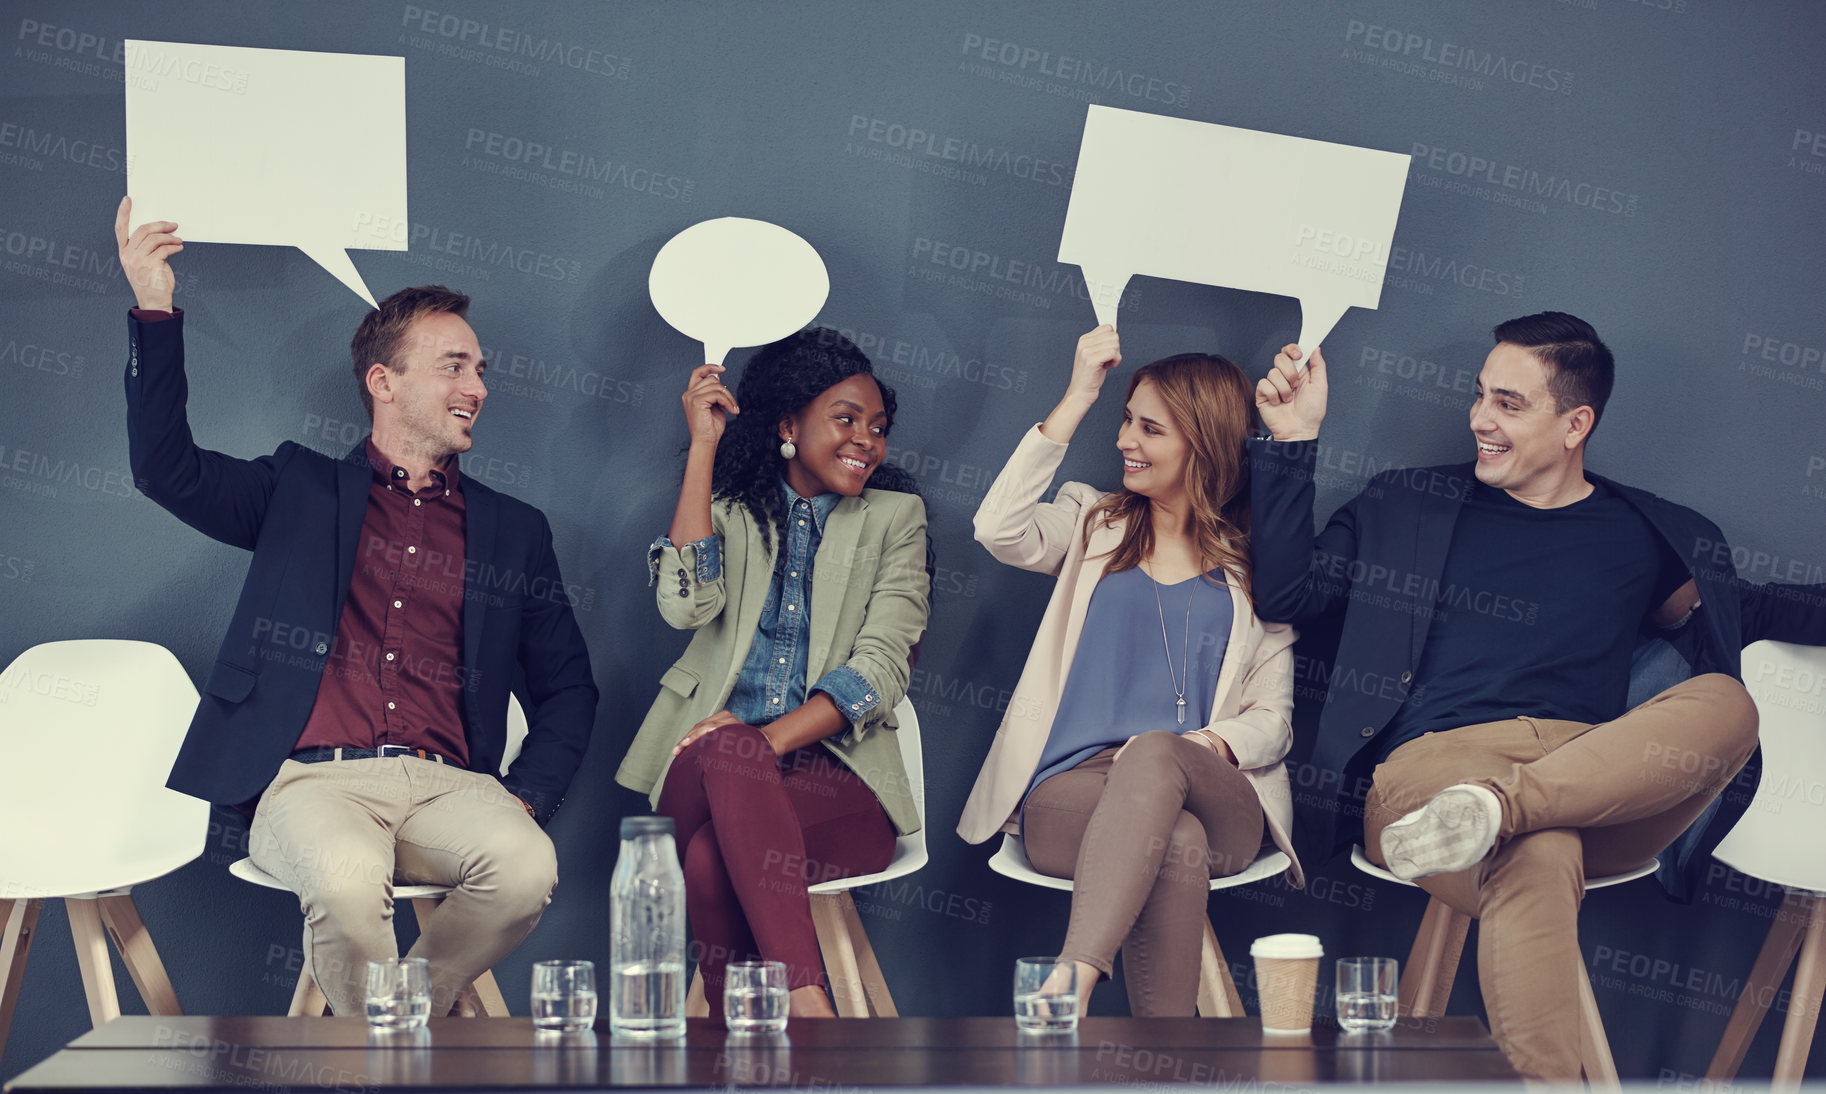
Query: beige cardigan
point(869, 605)
point(1254, 701)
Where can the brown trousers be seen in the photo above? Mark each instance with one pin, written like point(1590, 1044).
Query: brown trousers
point(1577, 800)
point(1142, 838)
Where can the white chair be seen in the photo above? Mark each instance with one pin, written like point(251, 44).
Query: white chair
point(89, 729)
point(1426, 979)
point(1217, 995)
point(481, 998)
point(1779, 840)
point(857, 984)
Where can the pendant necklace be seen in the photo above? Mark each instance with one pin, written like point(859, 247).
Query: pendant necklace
point(1180, 681)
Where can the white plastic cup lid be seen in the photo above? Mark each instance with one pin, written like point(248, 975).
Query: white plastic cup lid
point(1287, 946)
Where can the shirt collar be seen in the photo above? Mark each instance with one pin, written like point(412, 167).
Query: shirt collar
point(387, 473)
point(821, 505)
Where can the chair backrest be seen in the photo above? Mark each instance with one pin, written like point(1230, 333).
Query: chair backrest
point(516, 732)
point(89, 729)
point(1782, 837)
point(912, 755)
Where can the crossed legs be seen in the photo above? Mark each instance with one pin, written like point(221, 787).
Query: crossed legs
point(754, 831)
point(1576, 799)
point(1143, 837)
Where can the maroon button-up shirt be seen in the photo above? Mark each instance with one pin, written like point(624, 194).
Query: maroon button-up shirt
point(395, 674)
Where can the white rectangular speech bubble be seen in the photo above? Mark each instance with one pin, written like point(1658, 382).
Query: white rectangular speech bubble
point(1217, 205)
point(271, 146)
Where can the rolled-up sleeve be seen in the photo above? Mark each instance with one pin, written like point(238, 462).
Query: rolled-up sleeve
point(852, 693)
point(701, 559)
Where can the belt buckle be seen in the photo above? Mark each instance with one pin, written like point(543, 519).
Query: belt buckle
point(408, 750)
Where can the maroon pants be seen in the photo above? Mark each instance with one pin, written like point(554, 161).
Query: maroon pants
point(753, 830)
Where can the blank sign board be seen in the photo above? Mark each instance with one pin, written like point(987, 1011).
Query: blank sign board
point(269, 146)
point(737, 282)
point(1218, 205)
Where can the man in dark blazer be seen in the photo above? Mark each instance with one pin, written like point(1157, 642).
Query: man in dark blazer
point(359, 700)
point(1488, 617)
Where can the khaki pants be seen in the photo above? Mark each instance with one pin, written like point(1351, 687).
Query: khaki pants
point(341, 834)
point(1143, 837)
point(1577, 800)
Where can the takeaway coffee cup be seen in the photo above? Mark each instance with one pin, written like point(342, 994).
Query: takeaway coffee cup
point(1286, 974)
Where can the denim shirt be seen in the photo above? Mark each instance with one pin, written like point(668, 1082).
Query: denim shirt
point(772, 680)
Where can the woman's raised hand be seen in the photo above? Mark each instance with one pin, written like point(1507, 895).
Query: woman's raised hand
point(1099, 351)
point(707, 405)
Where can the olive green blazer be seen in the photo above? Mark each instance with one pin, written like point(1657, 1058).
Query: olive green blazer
point(869, 602)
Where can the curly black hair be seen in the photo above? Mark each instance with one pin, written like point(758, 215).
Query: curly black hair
point(781, 379)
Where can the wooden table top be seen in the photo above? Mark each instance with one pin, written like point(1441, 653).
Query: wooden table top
point(142, 1052)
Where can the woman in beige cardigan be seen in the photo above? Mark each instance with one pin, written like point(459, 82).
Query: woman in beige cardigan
point(1125, 762)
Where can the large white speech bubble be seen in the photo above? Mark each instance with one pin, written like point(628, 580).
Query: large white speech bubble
point(272, 146)
point(1217, 205)
point(737, 282)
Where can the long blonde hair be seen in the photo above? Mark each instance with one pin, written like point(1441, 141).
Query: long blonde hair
point(1212, 404)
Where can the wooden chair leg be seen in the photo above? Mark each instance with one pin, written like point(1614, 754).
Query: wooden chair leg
point(874, 984)
point(1594, 1046)
point(1779, 948)
point(486, 996)
point(839, 955)
point(697, 1005)
point(137, 952)
point(308, 1000)
point(18, 922)
point(93, 958)
point(1217, 995)
point(1804, 1002)
point(1439, 945)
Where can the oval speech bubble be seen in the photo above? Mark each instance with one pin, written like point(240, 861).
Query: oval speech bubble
point(736, 282)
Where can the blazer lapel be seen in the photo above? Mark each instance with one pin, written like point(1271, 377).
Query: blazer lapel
point(831, 570)
point(353, 477)
point(745, 545)
point(1103, 539)
point(480, 515)
point(1241, 612)
point(1432, 540)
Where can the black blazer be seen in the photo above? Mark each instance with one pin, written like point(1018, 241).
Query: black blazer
point(300, 512)
point(1375, 570)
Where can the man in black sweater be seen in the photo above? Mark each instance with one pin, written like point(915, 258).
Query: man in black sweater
point(1490, 614)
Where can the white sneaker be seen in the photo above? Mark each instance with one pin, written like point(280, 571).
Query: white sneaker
point(1452, 832)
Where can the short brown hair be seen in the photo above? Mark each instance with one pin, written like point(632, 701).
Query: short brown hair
point(378, 337)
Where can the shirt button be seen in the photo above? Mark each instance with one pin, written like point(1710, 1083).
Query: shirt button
point(389, 656)
point(1406, 676)
point(776, 699)
point(802, 524)
point(323, 647)
point(417, 501)
point(399, 604)
point(390, 706)
point(855, 706)
point(681, 573)
point(792, 607)
point(782, 660)
point(682, 592)
point(412, 550)
point(1369, 731)
point(795, 573)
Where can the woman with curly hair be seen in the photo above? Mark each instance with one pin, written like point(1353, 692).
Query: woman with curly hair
point(800, 561)
point(1125, 763)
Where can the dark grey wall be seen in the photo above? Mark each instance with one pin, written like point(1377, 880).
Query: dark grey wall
point(1648, 164)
